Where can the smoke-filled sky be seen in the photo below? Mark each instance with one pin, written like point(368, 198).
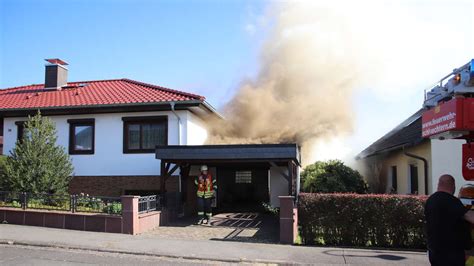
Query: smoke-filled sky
point(336, 74)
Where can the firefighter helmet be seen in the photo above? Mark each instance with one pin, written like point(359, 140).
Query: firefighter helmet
point(204, 168)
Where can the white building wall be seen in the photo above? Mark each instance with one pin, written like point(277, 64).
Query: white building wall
point(447, 159)
point(278, 185)
point(196, 130)
point(109, 159)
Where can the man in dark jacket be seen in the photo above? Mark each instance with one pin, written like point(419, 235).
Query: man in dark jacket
point(447, 228)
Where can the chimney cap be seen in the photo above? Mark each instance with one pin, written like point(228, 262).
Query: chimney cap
point(56, 61)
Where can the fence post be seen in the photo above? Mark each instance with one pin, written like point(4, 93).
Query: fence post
point(73, 203)
point(288, 220)
point(24, 203)
point(130, 214)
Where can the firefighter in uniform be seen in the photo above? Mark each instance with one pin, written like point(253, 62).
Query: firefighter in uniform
point(206, 187)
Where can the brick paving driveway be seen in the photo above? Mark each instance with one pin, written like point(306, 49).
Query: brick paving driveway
point(244, 227)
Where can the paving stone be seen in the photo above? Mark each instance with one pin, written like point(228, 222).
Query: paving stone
point(244, 227)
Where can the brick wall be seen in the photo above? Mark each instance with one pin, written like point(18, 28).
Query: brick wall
point(114, 186)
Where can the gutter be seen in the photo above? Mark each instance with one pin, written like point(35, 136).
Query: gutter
point(172, 104)
point(425, 166)
point(67, 107)
point(363, 155)
point(212, 109)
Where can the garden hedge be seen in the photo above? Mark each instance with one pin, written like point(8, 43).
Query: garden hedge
point(392, 221)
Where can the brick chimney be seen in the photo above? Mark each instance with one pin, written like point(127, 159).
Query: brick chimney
point(55, 74)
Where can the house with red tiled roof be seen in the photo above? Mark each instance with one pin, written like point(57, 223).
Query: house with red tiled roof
point(109, 127)
point(130, 137)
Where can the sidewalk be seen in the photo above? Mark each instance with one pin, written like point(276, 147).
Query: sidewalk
point(224, 251)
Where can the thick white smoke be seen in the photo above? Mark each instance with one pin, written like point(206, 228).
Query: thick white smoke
point(317, 54)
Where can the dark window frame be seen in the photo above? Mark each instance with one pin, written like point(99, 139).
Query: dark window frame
point(394, 178)
point(73, 123)
point(414, 179)
point(142, 120)
point(20, 129)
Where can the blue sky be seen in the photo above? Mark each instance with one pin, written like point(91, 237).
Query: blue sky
point(209, 47)
point(197, 46)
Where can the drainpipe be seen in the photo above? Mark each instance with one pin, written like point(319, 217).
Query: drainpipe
point(425, 166)
point(172, 104)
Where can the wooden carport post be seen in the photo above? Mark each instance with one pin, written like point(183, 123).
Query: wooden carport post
point(292, 179)
point(163, 178)
point(184, 172)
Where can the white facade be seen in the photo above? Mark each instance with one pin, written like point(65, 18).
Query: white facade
point(109, 158)
point(278, 184)
point(196, 132)
point(443, 156)
point(446, 156)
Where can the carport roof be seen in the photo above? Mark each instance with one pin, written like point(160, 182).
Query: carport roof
point(234, 152)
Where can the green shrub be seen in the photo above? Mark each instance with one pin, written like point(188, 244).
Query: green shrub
point(394, 221)
point(270, 209)
point(37, 164)
point(86, 203)
point(3, 160)
point(46, 201)
point(332, 176)
point(113, 208)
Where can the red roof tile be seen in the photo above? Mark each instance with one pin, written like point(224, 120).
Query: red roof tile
point(99, 92)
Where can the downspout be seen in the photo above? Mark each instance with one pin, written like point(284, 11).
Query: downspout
point(425, 166)
point(172, 104)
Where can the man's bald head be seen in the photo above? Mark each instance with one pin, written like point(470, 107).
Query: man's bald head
point(447, 184)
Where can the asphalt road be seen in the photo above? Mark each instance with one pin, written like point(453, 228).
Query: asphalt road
point(26, 255)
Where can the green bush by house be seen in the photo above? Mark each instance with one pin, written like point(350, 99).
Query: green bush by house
point(330, 177)
point(3, 159)
point(393, 221)
point(37, 164)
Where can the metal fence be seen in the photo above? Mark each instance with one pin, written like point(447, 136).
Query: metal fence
point(86, 203)
point(12, 199)
point(149, 203)
point(72, 203)
point(43, 201)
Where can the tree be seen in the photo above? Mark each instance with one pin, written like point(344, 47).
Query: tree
point(332, 176)
point(37, 164)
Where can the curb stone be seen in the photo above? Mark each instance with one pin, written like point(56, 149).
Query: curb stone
point(118, 251)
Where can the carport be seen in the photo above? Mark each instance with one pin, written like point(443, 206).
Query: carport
point(248, 175)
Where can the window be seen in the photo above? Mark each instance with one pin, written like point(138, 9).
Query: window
point(394, 179)
point(413, 179)
point(20, 129)
point(143, 134)
point(243, 177)
point(81, 136)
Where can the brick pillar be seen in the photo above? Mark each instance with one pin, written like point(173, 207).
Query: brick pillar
point(288, 220)
point(130, 215)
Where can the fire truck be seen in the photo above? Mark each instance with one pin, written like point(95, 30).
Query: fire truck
point(449, 114)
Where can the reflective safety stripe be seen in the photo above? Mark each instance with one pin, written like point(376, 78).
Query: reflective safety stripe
point(209, 214)
point(206, 187)
point(466, 201)
point(470, 261)
point(200, 213)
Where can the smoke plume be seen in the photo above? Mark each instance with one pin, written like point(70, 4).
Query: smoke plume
point(310, 65)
